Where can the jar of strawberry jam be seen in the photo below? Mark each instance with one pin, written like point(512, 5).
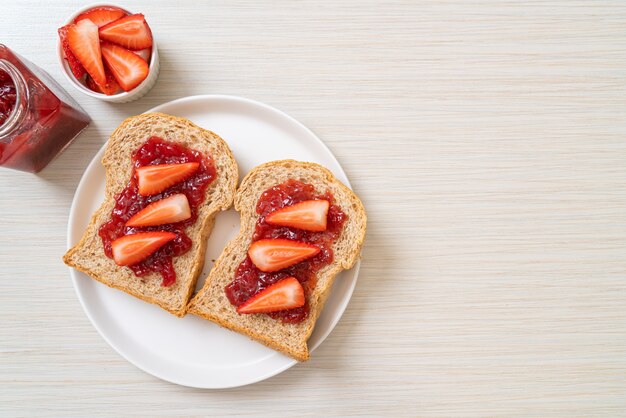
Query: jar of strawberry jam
point(38, 119)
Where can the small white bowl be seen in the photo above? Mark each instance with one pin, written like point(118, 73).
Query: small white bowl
point(124, 96)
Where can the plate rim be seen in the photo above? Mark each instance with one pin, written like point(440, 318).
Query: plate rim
point(96, 159)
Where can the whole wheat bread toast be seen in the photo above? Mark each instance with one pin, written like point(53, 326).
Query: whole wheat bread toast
point(211, 302)
point(88, 255)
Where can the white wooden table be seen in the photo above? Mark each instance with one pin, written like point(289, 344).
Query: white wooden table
point(488, 143)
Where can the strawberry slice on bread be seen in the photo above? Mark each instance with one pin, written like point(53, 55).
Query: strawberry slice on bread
point(131, 249)
point(282, 295)
point(310, 215)
point(153, 179)
point(270, 255)
point(165, 211)
point(82, 38)
point(234, 280)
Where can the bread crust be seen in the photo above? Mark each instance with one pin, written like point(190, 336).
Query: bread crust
point(291, 339)
point(88, 255)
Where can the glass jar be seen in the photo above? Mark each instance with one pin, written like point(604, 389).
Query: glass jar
point(38, 119)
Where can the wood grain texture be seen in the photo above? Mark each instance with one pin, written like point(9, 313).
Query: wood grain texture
point(487, 142)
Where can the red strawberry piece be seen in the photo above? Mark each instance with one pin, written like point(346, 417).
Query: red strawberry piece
point(77, 68)
point(282, 295)
point(110, 88)
point(154, 179)
point(101, 16)
point(145, 54)
point(276, 254)
point(91, 85)
point(131, 249)
point(165, 211)
point(310, 215)
point(131, 32)
point(127, 67)
point(84, 43)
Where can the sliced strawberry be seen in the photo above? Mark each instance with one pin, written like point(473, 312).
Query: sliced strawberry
point(145, 54)
point(154, 179)
point(165, 211)
point(131, 32)
point(127, 67)
point(276, 254)
point(84, 43)
point(91, 85)
point(101, 16)
point(77, 68)
point(110, 88)
point(282, 295)
point(310, 215)
point(131, 249)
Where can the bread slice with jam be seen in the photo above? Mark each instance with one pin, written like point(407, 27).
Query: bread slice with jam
point(89, 257)
point(289, 330)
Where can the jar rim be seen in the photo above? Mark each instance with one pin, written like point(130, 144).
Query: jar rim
point(20, 96)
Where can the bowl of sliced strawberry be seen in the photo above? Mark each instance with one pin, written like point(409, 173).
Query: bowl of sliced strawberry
point(108, 53)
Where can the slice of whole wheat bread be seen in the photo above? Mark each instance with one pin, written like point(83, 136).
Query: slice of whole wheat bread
point(88, 255)
point(211, 302)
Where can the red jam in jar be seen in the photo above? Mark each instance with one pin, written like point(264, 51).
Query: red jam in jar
point(128, 202)
point(38, 119)
point(249, 280)
point(7, 96)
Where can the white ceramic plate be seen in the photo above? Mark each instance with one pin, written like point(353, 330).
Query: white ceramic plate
point(192, 351)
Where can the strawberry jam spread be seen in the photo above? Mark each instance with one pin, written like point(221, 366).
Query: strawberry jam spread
point(249, 280)
point(128, 202)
